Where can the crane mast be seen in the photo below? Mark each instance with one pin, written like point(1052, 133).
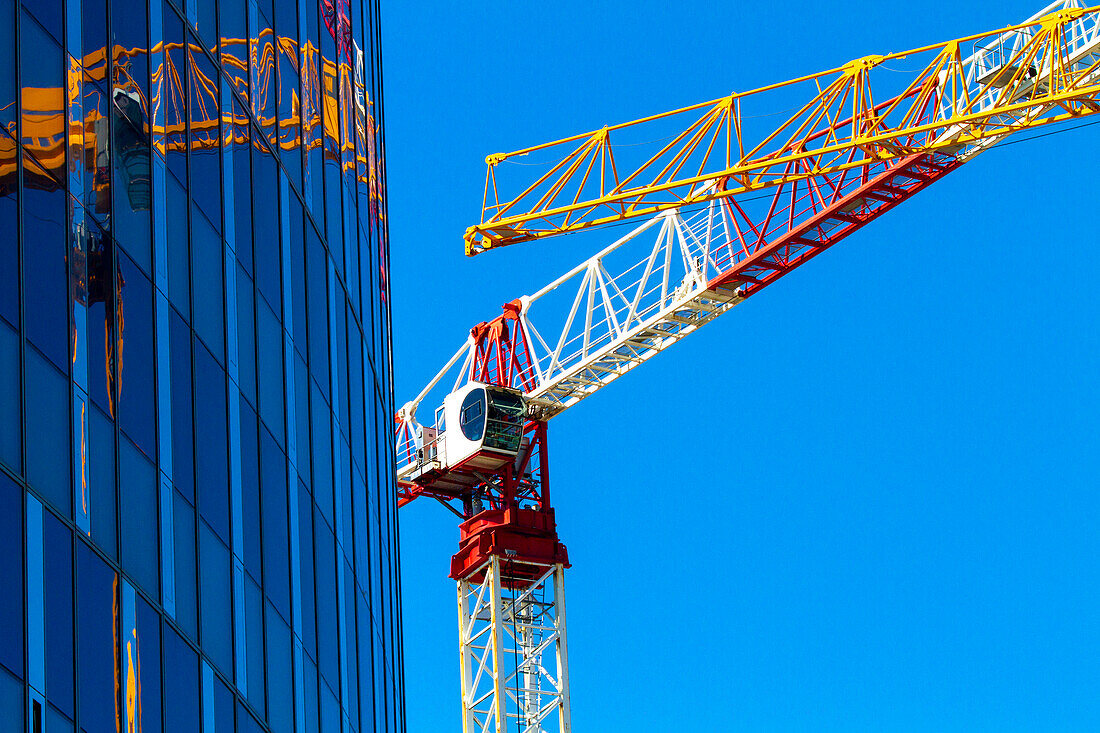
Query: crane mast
point(716, 219)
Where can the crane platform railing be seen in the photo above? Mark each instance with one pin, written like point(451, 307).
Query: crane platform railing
point(951, 95)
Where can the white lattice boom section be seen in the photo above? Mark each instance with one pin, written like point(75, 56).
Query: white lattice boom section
point(512, 631)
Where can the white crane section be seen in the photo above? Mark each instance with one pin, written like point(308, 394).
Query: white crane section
point(656, 284)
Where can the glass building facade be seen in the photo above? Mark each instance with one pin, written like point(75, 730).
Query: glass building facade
point(197, 517)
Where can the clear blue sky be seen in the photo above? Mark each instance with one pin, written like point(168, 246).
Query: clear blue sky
point(864, 500)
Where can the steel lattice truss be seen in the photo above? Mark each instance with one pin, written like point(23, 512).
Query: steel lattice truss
point(948, 97)
point(721, 242)
point(512, 638)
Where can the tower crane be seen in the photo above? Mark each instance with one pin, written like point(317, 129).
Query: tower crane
point(724, 204)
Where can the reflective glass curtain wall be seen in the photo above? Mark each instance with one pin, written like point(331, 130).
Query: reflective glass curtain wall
point(196, 491)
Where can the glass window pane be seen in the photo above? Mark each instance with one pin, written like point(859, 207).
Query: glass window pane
point(103, 493)
point(205, 163)
point(182, 711)
point(96, 618)
point(250, 490)
point(11, 700)
point(136, 377)
point(48, 431)
point(44, 271)
point(11, 576)
point(305, 556)
point(270, 353)
point(138, 496)
point(8, 46)
point(183, 542)
point(246, 336)
point(316, 272)
point(207, 257)
point(9, 222)
point(211, 451)
point(105, 347)
point(328, 659)
point(223, 706)
point(265, 197)
point(183, 469)
point(148, 668)
point(254, 629)
point(57, 570)
point(42, 78)
point(179, 261)
point(11, 411)
point(216, 599)
point(279, 675)
point(276, 541)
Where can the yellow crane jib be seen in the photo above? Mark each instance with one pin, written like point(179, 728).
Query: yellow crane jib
point(957, 97)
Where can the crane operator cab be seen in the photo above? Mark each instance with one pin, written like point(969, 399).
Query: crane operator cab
point(484, 426)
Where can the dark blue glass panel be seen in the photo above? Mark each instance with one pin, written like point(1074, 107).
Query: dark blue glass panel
point(310, 691)
point(301, 414)
point(130, 129)
point(265, 197)
point(185, 567)
point(103, 340)
point(366, 665)
point(250, 491)
point(138, 502)
point(289, 112)
point(148, 623)
point(276, 541)
point(322, 453)
point(136, 377)
point(183, 462)
point(97, 632)
point(330, 709)
point(352, 703)
point(57, 572)
point(48, 431)
point(280, 678)
point(245, 722)
point(340, 368)
point(305, 547)
point(44, 273)
point(48, 13)
point(232, 18)
point(211, 457)
point(11, 412)
point(242, 183)
point(175, 98)
point(254, 629)
point(103, 492)
point(8, 45)
point(215, 600)
point(264, 69)
point(179, 260)
point(205, 161)
point(9, 222)
point(182, 711)
point(207, 257)
point(316, 278)
point(93, 23)
point(11, 700)
point(356, 428)
point(270, 354)
point(223, 706)
point(298, 275)
point(42, 77)
point(11, 575)
point(246, 335)
point(328, 659)
point(205, 15)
